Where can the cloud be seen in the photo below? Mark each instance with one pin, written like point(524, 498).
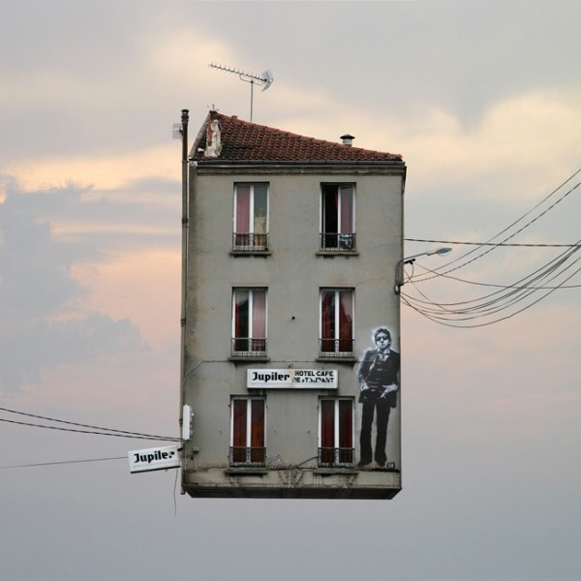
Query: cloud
point(105, 170)
point(33, 344)
point(42, 324)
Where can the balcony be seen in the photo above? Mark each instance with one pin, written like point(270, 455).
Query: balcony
point(335, 348)
point(247, 347)
point(248, 242)
point(338, 242)
point(250, 457)
point(336, 457)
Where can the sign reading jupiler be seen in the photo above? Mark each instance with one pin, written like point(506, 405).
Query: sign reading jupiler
point(292, 378)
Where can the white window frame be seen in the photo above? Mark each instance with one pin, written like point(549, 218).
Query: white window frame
point(322, 227)
point(336, 425)
point(251, 185)
point(337, 319)
point(251, 291)
point(248, 400)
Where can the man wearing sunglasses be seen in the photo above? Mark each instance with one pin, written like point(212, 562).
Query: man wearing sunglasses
point(378, 383)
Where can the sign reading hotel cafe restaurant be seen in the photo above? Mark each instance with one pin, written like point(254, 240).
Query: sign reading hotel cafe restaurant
point(292, 378)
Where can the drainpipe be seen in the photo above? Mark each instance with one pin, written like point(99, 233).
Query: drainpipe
point(185, 167)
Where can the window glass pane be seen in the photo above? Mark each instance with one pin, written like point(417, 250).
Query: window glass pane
point(328, 315)
point(242, 209)
point(239, 423)
point(345, 424)
point(330, 209)
point(241, 324)
point(327, 423)
point(347, 210)
point(259, 314)
point(346, 316)
point(260, 209)
point(257, 418)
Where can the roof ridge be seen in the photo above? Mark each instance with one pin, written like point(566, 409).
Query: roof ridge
point(245, 140)
point(236, 119)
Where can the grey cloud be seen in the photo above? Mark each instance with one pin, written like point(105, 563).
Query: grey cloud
point(32, 344)
point(36, 287)
point(87, 94)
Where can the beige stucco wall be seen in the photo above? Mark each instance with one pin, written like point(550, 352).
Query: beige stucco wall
point(293, 273)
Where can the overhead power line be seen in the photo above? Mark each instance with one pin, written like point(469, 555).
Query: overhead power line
point(488, 284)
point(91, 429)
point(444, 269)
point(458, 314)
point(507, 300)
point(511, 245)
point(474, 325)
point(62, 462)
point(92, 432)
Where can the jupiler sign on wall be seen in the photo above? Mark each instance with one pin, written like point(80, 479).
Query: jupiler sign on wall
point(292, 378)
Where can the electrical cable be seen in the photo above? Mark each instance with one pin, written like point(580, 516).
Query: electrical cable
point(483, 309)
point(533, 277)
point(100, 428)
point(435, 320)
point(502, 286)
point(505, 298)
point(62, 462)
point(496, 245)
point(96, 433)
point(511, 245)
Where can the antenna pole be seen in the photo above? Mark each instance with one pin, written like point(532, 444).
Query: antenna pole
point(264, 80)
point(251, 97)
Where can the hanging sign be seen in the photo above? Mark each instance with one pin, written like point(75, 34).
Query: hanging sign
point(154, 459)
point(292, 378)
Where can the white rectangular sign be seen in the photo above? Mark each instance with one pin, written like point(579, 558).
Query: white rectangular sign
point(154, 459)
point(292, 378)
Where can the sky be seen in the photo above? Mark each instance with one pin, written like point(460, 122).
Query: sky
point(482, 99)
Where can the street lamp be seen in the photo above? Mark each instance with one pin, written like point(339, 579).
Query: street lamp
point(399, 282)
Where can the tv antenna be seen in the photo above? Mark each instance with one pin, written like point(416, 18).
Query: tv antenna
point(264, 80)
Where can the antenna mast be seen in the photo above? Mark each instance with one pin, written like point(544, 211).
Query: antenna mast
point(264, 80)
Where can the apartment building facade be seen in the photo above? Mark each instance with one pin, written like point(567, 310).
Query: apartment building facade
point(292, 327)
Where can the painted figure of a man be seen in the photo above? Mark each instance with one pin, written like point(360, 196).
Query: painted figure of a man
point(378, 384)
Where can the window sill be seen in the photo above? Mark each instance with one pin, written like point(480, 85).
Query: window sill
point(350, 359)
point(246, 471)
point(249, 358)
point(263, 253)
point(335, 470)
point(327, 253)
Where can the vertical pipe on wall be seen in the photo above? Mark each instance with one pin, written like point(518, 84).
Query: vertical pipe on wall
point(185, 167)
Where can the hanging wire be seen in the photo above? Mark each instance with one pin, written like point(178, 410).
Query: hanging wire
point(99, 430)
point(442, 322)
point(37, 464)
point(496, 245)
point(509, 245)
point(93, 432)
point(444, 314)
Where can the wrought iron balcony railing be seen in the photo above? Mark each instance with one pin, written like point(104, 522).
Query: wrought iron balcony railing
point(247, 347)
point(336, 347)
point(247, 456)
point(336, 457)
point(250, 242)
point(338, 242)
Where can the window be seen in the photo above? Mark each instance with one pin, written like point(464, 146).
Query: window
point(250, 217)
point(336, 323)
point(249, 323)
point(337, 218)
point(247, 432)
point(336, 432)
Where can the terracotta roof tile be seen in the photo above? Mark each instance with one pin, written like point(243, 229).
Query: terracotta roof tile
point(244, 141)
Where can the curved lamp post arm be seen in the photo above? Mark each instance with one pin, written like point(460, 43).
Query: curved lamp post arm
point(399, 282)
